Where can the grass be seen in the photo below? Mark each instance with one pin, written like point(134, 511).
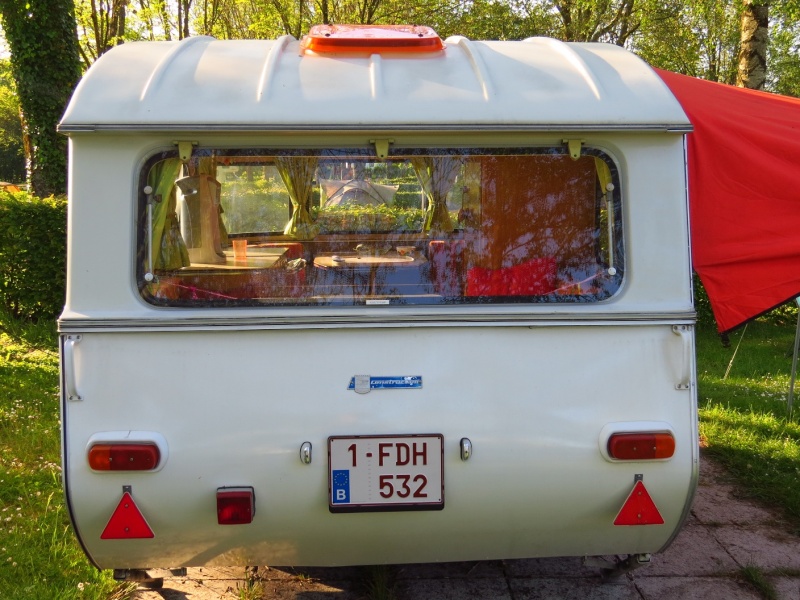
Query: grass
point(39, 555)
point(378, 582)
point(744, 417)
point(758, 580)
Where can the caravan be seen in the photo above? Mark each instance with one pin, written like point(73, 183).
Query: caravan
point(375, 297)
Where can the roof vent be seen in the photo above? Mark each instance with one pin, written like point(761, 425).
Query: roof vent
point(371, 39)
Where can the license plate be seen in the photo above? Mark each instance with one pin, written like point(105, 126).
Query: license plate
point(386, 473)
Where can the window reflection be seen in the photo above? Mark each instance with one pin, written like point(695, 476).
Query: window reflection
point(341, 227)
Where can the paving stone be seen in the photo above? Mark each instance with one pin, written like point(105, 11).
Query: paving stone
point(788, 588)
point(695, 588)
point(767, 548)
point(694, 552)
point(562, 567)
point(717, 504)
point(453, 589)
point(563, 589)
point(484, 569)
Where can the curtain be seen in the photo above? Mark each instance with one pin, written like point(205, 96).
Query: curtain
point(603, 174)
point(436, 175)
point(207, 165)
point(297, 173)
point(169, 249)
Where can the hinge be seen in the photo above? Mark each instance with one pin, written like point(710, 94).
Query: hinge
point(185, 150)
point(381, 147)
point(574, 148)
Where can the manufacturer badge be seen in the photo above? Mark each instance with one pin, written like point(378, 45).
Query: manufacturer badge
point(362, 384)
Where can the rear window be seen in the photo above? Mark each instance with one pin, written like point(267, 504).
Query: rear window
point(342, 227)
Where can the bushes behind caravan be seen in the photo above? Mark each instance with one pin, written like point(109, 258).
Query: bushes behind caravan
point(32, 255)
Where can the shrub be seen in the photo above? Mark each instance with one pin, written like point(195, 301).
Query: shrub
point(32, 255)
point(705, 316)
point(368, 219)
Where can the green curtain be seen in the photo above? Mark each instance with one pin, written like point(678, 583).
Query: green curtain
point(436, 175)
point(169, 249)
point(297, 173)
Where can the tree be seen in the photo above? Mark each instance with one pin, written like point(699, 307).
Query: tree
point(45, 62)
point(783, 75)
point(597, 21)
point(752, 72)
point(12, 155)
point(697, 37)
point(154, 19)
point(102, 26)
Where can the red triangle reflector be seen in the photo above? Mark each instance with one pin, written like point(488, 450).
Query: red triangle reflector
point(639, 509)
point(127, 522)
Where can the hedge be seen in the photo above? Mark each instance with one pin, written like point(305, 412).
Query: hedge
point(32, 255)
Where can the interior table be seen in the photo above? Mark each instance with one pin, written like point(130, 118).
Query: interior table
point(370, 275)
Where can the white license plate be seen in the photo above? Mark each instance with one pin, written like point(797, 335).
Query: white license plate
point(384, 473)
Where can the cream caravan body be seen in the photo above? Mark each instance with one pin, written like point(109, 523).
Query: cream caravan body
point(359, 304)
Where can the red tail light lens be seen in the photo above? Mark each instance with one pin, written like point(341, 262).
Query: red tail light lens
point(235, 506)
point(641, 446)
point(124, 457)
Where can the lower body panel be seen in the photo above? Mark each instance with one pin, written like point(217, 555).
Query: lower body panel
point(256, 409)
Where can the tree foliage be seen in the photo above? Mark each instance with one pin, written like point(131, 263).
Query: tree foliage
point(12, 156)
point(102, 26)
point(46, 66)
point(702, 38)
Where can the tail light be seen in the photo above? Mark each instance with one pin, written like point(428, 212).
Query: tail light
point(124, 457)
point(641, 446)
point(235, 506)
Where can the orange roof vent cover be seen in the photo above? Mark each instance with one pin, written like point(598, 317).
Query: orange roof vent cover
point(372, 39)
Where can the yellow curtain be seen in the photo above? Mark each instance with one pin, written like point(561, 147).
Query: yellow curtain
point(207, 165)
point(436, 175)
point(603, 173)
point(169, 249)
point(297, 173)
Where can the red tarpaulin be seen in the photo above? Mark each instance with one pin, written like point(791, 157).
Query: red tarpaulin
point(744, 195)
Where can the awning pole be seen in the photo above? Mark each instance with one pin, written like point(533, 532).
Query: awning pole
point(794, 364)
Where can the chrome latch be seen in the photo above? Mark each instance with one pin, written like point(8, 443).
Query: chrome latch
point(466, 448)
point(305, 453)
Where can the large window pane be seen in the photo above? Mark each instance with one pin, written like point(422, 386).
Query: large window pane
point(330, 227)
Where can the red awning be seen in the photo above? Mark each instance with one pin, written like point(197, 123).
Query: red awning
point(744, 195)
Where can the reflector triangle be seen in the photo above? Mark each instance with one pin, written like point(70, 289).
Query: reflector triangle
point(639, 509)
point(127, 522)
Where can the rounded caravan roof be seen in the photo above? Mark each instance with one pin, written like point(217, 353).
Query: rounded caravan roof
point(247, 85)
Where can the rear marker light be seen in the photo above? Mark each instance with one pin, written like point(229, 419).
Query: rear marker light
point(124, 457)
point(235, 506)
point(641, 446)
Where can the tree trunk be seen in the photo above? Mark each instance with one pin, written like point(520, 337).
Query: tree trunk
point(753, 52)
point(45, 62)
